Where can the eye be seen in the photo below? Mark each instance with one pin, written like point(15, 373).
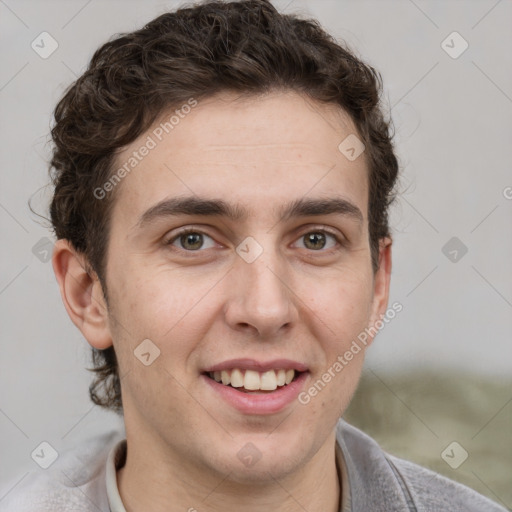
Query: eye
point(191, 240)
point(319, 240)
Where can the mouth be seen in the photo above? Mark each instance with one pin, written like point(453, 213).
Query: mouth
point(254, 387)
point(252, 381)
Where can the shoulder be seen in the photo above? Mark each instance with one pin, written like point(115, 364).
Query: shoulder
point(402, 484)
point(436, 493)
point(74, 482)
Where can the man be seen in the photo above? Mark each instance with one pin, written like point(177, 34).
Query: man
point(222, 181)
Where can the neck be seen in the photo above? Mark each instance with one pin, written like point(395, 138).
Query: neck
point(150, 481)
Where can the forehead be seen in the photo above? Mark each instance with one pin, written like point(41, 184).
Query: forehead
point(264, 149)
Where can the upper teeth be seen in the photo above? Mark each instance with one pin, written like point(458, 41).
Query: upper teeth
point(252, 380)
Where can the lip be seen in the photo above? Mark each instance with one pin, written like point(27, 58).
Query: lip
point(258, 403)
point(259, 366)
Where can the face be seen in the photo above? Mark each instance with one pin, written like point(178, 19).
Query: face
point(239, 246)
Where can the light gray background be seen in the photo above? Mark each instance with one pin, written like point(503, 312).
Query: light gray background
point(454, 134)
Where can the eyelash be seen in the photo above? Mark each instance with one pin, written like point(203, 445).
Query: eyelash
point(185, 231)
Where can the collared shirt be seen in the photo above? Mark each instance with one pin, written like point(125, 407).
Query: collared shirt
point(370, 480)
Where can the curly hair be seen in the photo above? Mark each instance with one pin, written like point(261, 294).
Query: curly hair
point(246, 47)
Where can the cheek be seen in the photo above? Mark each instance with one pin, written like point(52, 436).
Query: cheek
point(166, 307)
point(157, 299)
point(341, 315)
point(342, 306)
point(161, 307)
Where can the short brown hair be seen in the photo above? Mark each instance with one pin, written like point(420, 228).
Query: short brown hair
point(245, 47)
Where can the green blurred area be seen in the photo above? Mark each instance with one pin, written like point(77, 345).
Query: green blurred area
point(417, 415)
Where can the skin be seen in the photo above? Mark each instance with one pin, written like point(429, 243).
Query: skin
point(295, 301)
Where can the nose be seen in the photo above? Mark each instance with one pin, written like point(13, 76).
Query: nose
point(260, 297)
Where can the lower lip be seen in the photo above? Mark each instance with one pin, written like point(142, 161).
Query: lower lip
point(259, 403)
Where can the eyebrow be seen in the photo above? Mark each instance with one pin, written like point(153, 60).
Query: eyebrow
point(193, 205)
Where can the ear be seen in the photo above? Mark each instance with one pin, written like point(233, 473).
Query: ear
point(381, 281)
point(82, 295)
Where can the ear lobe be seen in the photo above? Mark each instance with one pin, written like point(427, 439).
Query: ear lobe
point(381, 282)
point(82, 295)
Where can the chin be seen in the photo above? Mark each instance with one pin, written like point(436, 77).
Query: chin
point(258, 459)
point(264, 472)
